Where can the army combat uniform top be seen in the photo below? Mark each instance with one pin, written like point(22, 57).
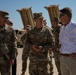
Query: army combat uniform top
point(7, 43)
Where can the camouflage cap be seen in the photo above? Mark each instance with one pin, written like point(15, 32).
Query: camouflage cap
point(37, 15)
point(55, 19)
point(28, 27)
point(4, 13)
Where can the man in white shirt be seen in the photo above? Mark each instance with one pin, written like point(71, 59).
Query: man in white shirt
point(67, 39)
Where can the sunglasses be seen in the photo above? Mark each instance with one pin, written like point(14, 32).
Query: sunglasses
point(60, 15)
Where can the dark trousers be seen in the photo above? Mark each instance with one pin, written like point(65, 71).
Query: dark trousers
point(14, 67)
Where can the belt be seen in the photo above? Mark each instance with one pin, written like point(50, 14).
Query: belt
point(73, 54)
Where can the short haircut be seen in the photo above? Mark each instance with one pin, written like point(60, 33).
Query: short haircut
point(67, 11)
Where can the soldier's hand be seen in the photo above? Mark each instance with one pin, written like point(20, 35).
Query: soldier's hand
point(36, 48)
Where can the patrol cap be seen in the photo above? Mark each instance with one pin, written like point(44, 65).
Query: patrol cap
point(55, 19)
point(4, 13)
point(37, 15)
point(28, 27)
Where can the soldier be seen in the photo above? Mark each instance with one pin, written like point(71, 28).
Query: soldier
point(26, 28)
point(24, 61)
point(56, 31)
point(40, 40)
point(7, 45)
point(50, 70)
point(14, 66)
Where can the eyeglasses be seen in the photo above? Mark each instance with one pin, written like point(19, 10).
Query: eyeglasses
point(61, 15)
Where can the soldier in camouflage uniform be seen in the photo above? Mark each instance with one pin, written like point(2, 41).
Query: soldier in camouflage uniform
point(14, 66)
point(7, 45)
point(56, 31)
point(24, 61)
point(50, 69)
point(39, 40)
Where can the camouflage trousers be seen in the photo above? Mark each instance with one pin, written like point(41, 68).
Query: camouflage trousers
point(50, 66)
point(57, 61)
point(4, 66)
point(38, 67)
point(25, 55)
point(24, 66)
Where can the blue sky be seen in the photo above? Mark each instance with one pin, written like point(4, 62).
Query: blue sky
point(37, 6)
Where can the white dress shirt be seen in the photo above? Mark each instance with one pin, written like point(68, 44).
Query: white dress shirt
point(67, 38)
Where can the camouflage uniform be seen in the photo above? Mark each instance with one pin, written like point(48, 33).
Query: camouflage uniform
point(24, 61)
point(38, 61)
point(7, 46)
point(56, 52)
point(14, 66)
point(50, 69)
point(50, 65)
